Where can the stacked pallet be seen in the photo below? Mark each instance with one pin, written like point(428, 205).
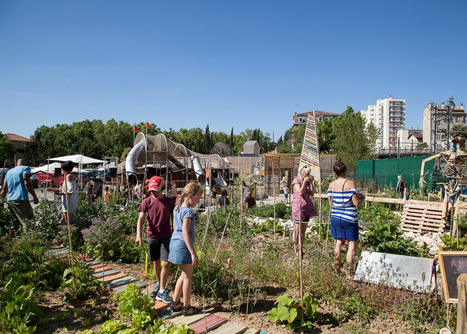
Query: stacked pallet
point(420, 218)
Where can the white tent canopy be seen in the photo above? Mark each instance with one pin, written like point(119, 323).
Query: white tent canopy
point(46, 168)
point(78, 159)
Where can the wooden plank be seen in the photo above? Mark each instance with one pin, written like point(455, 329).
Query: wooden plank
point(419, 229)
point(187, 319)
point(422, 222)
point(207, 324)
point(120, 281)
point(105, 273)
point(251, 331)
point(230, 328)
point(160, 305)
point(100, 269)
point(111, 277)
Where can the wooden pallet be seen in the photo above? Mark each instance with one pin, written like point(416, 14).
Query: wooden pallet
point(419, 218)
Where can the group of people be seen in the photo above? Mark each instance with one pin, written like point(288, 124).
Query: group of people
point(344, 198)
point(171, 242)
point(17, 185)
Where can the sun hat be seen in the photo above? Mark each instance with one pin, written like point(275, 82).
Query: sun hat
point(155, 183)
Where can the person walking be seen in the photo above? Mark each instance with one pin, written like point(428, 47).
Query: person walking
point(286, 194)
point(182, 251)
point(344, 198)
point(400, 186)
point(15, 188)
point(159, 211)
point(303, 208)
point(69, 191)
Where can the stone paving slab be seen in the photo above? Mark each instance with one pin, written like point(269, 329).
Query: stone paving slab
point(120, 281)
point(91, 263)
point(230, 328)
point(207, 324)
point(105, 273)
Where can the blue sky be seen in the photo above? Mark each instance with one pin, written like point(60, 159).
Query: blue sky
point(241, 64)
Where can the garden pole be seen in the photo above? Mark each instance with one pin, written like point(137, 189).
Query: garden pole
point(274, 212)
point(462, 304)
point(222, 237)
point(68, 222)
point(300, 249)
point(319, 214)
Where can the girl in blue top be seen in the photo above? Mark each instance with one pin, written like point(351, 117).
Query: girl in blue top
point(344, 199)
point(182, 251)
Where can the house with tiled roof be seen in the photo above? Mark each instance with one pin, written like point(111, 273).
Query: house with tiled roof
point(19, 144)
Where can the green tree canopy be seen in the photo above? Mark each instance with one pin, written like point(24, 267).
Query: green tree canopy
point(7, 149)
point(351, 141)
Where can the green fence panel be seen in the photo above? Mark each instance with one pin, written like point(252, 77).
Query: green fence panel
point(384, 172)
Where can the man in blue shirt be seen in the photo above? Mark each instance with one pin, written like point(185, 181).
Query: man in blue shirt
point(16, 185)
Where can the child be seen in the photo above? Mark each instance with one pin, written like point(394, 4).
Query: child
point(286, 194)
point(106, 195)
point(182, 251)
point(159, 210)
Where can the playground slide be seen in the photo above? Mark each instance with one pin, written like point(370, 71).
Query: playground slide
point(130, 162)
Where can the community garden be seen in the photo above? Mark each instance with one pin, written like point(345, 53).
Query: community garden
point(247, 270)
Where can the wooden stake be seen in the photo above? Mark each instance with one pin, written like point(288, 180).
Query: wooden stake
point(462, 303)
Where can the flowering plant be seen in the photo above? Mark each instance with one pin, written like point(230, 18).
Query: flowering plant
point(103, 238)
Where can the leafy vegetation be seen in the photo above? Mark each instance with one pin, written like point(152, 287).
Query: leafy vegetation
point(294, 314)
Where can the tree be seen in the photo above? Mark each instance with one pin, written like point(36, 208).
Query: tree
point(326, 135)
point(231, 141)
point(293, 140)
point(221, 148)
point(351, 141)
point(7, 149)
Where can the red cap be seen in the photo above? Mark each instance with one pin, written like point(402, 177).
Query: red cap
point(155, 183)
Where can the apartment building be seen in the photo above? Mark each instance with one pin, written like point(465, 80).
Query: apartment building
point(438, 121)
point(389, 116)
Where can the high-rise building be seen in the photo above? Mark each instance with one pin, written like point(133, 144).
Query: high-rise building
point(438, 121)
point(388, 115)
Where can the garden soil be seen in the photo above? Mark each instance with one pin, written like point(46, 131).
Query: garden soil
point(91, 313)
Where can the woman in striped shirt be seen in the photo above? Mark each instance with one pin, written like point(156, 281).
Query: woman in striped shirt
point(344, 199)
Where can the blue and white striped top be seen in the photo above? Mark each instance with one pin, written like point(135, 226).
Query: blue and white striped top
point(342, 205)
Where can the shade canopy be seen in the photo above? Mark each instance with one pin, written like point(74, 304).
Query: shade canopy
point(46, 168)
point(78, 159)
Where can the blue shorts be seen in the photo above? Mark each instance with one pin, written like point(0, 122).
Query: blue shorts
point(179, 253)
point(342, 229)
point(159, 249)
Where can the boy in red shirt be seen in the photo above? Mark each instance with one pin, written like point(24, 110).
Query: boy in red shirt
point(159, 211)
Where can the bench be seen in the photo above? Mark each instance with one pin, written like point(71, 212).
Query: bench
point(420, 218)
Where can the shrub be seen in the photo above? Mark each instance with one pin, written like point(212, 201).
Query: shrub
point(267, 211)
point(47, 219)
point(6, 220)
point(103, 238)
point(386, 237)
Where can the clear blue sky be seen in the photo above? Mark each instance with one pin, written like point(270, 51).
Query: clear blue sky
point(241, 64)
